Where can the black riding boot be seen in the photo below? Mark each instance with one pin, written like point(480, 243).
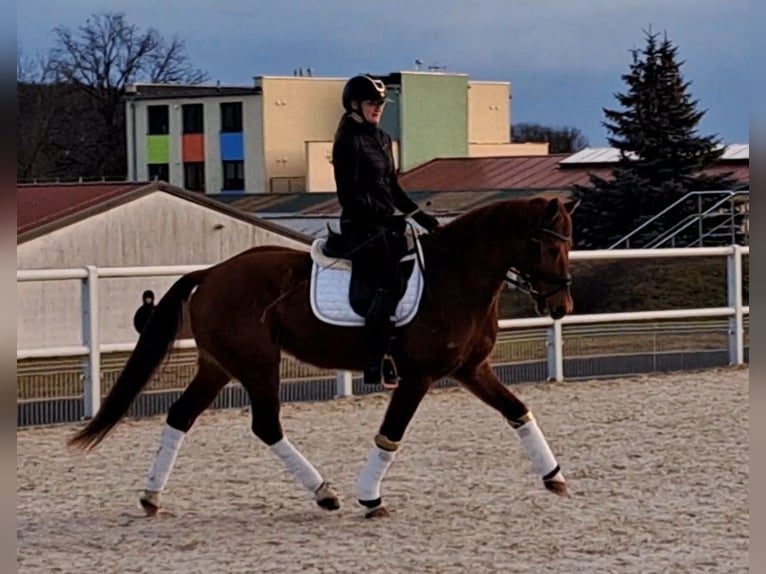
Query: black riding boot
point(377, 333)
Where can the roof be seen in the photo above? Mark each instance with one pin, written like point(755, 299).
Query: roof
point(539, 172)
point(733, 152)
point(285, 206)
point(594, 155)
point(493, 173)
point(39, 204)
point(164, 91)
point(42, 208)
point(736, 152)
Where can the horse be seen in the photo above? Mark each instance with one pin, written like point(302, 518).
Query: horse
point(247, 310)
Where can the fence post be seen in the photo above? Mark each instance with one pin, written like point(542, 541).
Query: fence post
point(343, 384)
point(90, 339)
point(555, 344)
point(734, 296)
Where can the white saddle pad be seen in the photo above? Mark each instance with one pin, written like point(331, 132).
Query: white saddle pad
point(329, 290)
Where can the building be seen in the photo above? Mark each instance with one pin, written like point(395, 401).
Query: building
point(276, 135)
point(118, 225)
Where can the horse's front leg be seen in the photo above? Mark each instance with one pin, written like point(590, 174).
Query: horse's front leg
point(483, 383)
point(401, 408)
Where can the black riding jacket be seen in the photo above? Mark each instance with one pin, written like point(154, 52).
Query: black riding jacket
point(367, 187)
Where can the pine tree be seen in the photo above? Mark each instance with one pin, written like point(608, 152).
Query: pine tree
point(661, 153)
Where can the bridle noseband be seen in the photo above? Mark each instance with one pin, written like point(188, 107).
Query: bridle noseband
point(525, 279)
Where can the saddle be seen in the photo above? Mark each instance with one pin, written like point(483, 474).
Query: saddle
point(339, 295)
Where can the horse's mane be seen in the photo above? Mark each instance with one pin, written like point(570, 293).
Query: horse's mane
point(515, 214)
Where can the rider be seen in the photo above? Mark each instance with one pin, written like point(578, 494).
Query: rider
point(369, 195)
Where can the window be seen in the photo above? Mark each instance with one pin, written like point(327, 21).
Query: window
point(234, 175)
point(231, 117)
point(158, 120)
point(159, 171)
point(193, 118)
point(194, 175)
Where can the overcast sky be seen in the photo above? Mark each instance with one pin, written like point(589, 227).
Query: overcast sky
point(564, 58)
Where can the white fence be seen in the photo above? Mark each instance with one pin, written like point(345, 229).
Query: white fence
point(91, 348)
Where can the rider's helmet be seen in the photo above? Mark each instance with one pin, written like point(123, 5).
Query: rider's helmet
point(361, 89)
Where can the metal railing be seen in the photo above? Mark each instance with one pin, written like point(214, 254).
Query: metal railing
point(91, 348)
point(724, 197)
point(698, 218)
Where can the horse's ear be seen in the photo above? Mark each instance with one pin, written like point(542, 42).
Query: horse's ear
point(552, 210)
point(572, 205)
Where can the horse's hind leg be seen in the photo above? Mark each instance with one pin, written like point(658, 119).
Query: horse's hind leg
point(483, 383)
point(262, 386)
point(200, 393)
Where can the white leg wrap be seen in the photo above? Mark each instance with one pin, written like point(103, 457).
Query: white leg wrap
point(170, 442)
point(543, 461)
point(368, 485)
point(296, 463)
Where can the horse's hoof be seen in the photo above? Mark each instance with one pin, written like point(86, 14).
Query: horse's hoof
point(557, 487)
point(327, 497)
point(150, 502)
point(379, 512)
point(330, 503)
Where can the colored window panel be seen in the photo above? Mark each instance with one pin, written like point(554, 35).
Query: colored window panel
point(158, 149)
point(232, 147)
point(193, 147)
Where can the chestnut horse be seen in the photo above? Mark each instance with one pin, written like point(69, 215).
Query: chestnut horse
point(249, 308)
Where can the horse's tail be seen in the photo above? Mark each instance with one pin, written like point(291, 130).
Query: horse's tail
point(152, 347)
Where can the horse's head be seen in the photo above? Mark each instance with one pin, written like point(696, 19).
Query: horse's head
point(544, 266)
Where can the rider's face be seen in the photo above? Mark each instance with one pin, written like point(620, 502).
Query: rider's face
point(373, 111)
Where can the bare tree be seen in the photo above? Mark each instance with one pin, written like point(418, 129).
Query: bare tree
point(71, 115)
point(39, 107)
point(561, 140)
point(107, 53)
point(32, 70)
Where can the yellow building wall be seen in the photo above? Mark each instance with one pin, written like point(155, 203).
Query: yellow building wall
point(489, 112)
point(319, 174)
point(319, 171)
point(507, 149)
point(296, 110)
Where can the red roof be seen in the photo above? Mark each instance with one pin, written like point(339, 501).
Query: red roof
point(38, 204)
point(518, 172)
point(40, 208)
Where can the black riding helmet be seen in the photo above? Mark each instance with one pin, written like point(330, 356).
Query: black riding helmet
point(362, 89)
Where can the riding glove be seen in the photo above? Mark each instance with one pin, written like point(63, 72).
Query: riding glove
point(426, 220)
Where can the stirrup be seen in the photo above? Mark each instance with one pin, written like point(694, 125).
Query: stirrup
point(390, 375)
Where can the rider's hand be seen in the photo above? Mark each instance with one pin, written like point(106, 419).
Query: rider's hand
point(426, 220)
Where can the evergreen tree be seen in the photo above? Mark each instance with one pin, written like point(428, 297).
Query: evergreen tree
point(661, 153)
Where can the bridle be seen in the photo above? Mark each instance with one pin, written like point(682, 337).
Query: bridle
point(524, 279)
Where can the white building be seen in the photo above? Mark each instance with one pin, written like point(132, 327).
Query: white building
point(118, 225)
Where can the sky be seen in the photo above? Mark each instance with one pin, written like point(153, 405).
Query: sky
point(564, 58)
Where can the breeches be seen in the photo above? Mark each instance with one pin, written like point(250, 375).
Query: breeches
point(376, 256)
